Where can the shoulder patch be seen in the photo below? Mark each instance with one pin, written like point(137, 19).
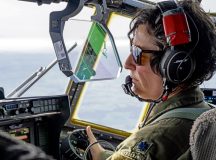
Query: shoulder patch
point(139, 151)
point(142, 146)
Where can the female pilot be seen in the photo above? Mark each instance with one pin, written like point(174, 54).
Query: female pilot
point(172, 52)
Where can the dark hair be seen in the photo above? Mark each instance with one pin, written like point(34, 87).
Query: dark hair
point(200, 25)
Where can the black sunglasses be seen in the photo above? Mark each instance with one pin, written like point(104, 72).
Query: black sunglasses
point(139, 55)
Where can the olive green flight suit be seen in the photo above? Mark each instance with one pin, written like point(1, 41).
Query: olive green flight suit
point(166, 139)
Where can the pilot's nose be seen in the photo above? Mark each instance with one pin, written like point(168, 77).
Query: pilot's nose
point(129, 63)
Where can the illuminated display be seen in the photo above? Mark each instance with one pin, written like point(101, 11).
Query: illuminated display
point(10, 106)
point(21, 134)
point(210, 95)
point(210, 99)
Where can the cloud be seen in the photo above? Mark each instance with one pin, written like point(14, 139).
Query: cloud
point(26, 45)
point(25, 19)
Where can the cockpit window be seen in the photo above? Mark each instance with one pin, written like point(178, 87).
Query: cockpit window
point(104, 102)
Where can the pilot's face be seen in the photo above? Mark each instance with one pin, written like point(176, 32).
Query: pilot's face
point(146, 83)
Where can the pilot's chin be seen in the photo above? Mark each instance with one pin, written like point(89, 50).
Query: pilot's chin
point(141, 95)
point(136, 91)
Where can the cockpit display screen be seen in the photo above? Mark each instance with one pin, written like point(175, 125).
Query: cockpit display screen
point(21, 134)
point(210, 95)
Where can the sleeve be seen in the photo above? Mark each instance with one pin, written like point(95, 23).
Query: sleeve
point(157, 145)
point(140, 151)
point(164, 140)
point(104, 155)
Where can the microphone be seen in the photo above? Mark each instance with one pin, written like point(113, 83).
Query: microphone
point(127, 89)
point(127, 86)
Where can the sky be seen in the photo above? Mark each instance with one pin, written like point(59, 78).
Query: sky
point(209, 5)
point(25, 19)
point(24, 24)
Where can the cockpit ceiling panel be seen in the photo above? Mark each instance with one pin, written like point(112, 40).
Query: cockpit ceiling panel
point(124, 7)
point(131, 7)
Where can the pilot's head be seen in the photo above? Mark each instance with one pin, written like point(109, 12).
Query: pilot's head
point(172, 46)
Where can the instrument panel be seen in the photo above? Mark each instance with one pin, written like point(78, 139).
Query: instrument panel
point(36, 120)
point(11, 108)
point(210, 95)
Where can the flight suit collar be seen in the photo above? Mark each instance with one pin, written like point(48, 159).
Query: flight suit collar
point(185, 98)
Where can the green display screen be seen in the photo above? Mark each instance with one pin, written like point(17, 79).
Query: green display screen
point(91, 50)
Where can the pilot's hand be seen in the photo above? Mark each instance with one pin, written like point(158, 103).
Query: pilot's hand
point(96, 149)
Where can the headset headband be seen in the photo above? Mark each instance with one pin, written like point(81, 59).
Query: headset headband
point(166, 5)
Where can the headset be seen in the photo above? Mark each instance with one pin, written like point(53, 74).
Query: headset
point(177, 64)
